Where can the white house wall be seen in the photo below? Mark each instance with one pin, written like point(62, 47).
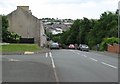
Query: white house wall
point(42, 35)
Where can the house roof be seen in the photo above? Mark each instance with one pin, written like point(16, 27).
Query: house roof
point(24, 9)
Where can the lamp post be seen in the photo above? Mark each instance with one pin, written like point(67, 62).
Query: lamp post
point(118, 19)
point(119, 26)
point(118, 40)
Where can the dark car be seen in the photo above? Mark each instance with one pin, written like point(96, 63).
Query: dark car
point(54, 46)
point(83, 47)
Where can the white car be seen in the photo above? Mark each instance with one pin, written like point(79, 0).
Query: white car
point(71, 46)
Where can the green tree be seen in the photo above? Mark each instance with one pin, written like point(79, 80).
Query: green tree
point(106, 41)
point(7, 36)
point(74, 30)
point(91, 31)
point(104, 27)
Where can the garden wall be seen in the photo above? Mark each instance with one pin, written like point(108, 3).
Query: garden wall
point(115, 48)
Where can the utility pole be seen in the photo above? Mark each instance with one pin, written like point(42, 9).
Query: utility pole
point(118, 40)
point(119, 20)
point(39, 34)
point(119, 26)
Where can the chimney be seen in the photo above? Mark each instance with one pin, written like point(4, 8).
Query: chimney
point(26, 8)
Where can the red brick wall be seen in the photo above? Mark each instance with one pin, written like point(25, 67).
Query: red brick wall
point(115, 48)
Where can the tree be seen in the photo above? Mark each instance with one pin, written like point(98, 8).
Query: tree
point(106, 41)
point(91, 31)
point(1, 28)
point(74, 31)
point(104, 27)
point(7, 36)
point(5, 32)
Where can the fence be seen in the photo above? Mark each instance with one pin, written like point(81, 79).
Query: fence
point(115, 48)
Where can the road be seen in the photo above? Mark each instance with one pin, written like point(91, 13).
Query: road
point(60, 66)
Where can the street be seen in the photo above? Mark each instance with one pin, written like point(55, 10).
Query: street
point(60, 66)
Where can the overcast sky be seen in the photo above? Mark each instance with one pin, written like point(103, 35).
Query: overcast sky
point(62, 9)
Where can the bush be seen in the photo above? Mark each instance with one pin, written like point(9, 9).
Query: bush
point(7, 36)
point(64, 46)
point(11, 37)
point(106, 41)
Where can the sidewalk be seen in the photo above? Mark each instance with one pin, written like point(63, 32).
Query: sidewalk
point(44, 50)
point(106, 53)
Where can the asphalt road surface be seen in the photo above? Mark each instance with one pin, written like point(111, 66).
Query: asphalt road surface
point(60, 66)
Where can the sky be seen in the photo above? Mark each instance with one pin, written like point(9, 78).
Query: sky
point(62, 9)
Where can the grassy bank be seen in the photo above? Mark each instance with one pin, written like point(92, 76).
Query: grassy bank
point(0, 48)
point(20, 47)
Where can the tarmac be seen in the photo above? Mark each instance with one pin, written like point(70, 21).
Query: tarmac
point(107, 53)
point(44, 50)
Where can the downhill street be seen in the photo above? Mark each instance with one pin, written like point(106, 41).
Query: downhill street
point(60, 66)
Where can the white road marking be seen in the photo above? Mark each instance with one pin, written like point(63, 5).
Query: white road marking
point(28, 53)
point(71, 50)
point(96, 60)
point(84, 55)
point(13, 60)
point(109, 65)
point(53, 64)
point(93, 59)
point(46, 55)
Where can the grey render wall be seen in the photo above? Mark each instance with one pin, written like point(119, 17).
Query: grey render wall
point(25, 24)
point(42, 35)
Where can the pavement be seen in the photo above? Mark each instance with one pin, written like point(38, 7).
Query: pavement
point(106, 53)
point(44, 50)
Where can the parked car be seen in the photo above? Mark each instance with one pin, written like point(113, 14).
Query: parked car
point(71, 46)
point(83, 47)
point(54, 46)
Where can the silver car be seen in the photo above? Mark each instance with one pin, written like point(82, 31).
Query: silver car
point(83, 47)
point(54, 46)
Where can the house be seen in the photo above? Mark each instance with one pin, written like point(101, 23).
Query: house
point(57, 31)
point(22, 22)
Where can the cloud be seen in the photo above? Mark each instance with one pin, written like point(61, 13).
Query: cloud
point(78, 1)
point(61, 8)
point(65, 1)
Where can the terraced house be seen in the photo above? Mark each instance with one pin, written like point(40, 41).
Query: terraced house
point(29, 27)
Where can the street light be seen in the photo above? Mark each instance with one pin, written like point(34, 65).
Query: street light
point(119, 26)
point(118, 39)
point(118, 19)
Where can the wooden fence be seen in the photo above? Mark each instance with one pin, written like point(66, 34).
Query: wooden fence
point(115, 48)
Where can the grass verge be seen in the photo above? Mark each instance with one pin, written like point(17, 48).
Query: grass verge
point(0, 48)
point(20, 47)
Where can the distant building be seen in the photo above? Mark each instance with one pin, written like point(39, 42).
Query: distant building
point(57, 31)
point(52, 24)
point(26, 25)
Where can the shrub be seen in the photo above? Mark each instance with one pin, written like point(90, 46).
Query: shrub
point(7, 36)
point(106, 41)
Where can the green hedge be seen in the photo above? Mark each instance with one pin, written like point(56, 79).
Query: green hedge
point(106, 41)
